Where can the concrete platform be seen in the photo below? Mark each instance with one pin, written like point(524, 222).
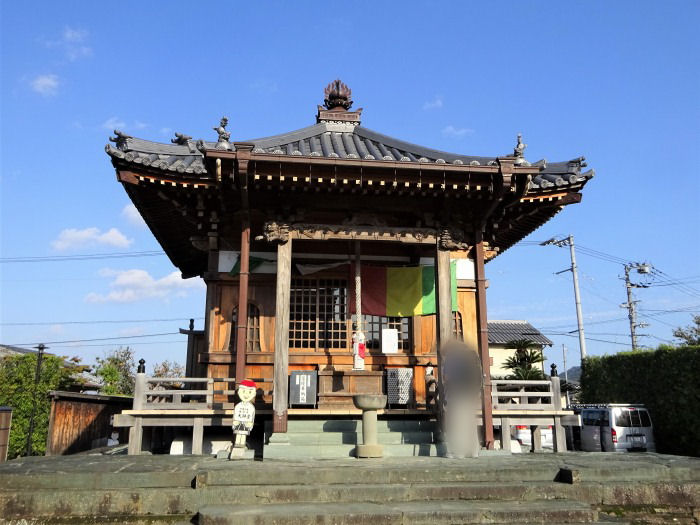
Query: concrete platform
point(533, 488)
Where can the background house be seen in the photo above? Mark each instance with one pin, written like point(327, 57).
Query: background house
point(501, 333)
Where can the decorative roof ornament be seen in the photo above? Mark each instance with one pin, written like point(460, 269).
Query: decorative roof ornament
point(181, 139)
point(224, 136)
point(337, 94)
point(120, 139)
point(519, 151)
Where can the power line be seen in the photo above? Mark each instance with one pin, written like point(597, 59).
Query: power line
point(588, 338)
point(112, 344)
point(102, 321)
point(81, 257)
point(118, 338)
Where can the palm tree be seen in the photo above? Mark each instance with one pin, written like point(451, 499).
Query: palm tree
point(522, 363)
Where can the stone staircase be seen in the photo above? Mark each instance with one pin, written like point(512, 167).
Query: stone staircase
point(526, 489)
point(336, 438)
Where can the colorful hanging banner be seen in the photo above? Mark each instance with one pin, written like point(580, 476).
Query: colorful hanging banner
point(401, 291)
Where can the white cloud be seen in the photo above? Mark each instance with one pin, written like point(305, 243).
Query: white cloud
point(436, 103)
point(132, 215)
point(73, 43)
point(113, 123)
point(133, 285)
point(453, 132)
point(140, 125)
point(46, 85)
point(165, 131)
point(71, 238)
point(74, 35)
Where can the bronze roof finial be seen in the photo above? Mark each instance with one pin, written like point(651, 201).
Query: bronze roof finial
point(337, 95)
point(519, 152)
point(224, 136)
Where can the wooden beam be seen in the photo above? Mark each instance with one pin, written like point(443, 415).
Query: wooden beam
point(279, 393)
point(242, 317)
point(483, 339)
point(337, 232)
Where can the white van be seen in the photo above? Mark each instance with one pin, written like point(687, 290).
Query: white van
point(616, 427)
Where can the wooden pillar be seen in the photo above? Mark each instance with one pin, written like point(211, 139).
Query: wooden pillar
point(444, 296)
point(483, 339)
point(242, 318)
point(280, 385)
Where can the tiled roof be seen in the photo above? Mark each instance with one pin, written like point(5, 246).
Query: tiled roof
point(502, 332)
point(330, 140)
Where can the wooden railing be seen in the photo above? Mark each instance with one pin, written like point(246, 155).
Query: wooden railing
point(526, 395)
point(158, 393)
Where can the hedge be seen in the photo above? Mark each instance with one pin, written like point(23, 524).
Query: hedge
point(666, 380)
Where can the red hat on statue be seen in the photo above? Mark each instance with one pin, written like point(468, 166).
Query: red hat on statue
point(248, 383)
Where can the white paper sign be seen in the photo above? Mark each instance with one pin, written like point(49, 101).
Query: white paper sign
point(390, 341)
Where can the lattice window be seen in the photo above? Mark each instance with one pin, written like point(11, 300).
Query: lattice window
point(318, 314)
point(253, 339)
point(372, 326)
point(457, 330)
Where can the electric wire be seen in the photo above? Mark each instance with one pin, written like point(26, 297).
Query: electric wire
point(118, 338)
point(101, 321)
point(81, 257)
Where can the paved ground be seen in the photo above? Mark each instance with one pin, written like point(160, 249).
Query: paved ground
point(594, 461)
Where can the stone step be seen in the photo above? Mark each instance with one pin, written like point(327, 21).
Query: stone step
point(417, 513)
point(350, 425)
point(330, 451)
point(187, 501)
point(386, 470)
point(352, 438)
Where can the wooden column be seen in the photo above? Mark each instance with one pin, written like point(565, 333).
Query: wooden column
point(279, 391)
point(483, 339)
point(444, 296)
point(242, 317)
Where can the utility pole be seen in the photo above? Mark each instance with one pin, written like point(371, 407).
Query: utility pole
point(37, 376)
point(631, 304)
point(569, 241)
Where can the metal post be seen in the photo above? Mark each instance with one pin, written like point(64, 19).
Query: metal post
point(37, 376)
point(631, 304)
point(574, 271)
point(631, 307)
point(577, 297)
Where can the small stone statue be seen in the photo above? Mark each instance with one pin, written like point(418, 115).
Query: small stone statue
point(224, 136)
point(243, 417)
point(359, 348)
point(553, 370)
point(430, 386)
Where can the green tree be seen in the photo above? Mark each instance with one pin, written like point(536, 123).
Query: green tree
point(169, 369)
point(690, 335)
point(523, 363)
point(116, 371)
point(17, 390)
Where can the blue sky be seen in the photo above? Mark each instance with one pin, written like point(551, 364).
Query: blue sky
point(615, 82)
